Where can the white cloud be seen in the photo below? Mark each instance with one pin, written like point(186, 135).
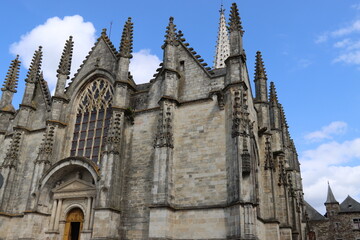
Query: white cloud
point(334, 162)
point(321, 38)
point(354, 27)
point(356, 6)
point(52, 36)
point(143, 65)
point(349, 58)
point(327, 132)
point(343, 43)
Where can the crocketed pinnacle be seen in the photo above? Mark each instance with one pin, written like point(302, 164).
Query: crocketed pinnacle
point(127, 40)
point(273, 95)
point(34, 70)
point(260, 72)
point(12, 76)
point(65, 61)
point(45, 88)
point(223, 43)
point(235, 22)
point(170, 37)
point(330, 196)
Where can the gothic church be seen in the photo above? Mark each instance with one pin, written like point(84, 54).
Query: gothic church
point(192, 154)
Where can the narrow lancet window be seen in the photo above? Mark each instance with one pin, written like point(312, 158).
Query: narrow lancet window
point(92, 120)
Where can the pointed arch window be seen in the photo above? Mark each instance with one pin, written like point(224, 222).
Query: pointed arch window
point(92, 120)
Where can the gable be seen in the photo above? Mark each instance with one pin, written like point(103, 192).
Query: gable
point(102, 56)
point(74, 189)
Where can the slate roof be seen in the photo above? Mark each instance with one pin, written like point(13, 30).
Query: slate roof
point(349, 205)
point(330, 196)
point(312, 213)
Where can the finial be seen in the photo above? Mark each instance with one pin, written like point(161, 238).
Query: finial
point(260, 72)
point(12, 76)
point(103, 32)
point(127, 40)
point(222, 7)
point(170, 37)
point(34, 70)
point(273, 94)
point(235, 22)
point(65, 61)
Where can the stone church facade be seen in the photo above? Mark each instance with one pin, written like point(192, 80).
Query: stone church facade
point(190, 155)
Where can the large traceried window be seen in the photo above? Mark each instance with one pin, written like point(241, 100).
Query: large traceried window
point(92, 120)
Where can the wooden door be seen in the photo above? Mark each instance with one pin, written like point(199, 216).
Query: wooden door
point(73, 225)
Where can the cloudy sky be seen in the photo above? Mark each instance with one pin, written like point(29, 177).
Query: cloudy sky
point(311, 51)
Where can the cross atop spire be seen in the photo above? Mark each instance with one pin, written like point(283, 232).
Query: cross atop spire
point(65, 61)
point(170, 37)
point(330, 196)
point(235, 22)
point(12, 76)
point(127, 40)
point(260, 72)
point(223, 43)
point(34, 70)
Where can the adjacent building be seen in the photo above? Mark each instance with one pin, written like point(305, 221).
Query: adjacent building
point(341, 221)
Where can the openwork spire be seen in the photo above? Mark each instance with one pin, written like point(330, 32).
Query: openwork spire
point(127, 40)
point(65, 61)
point(170, 37)
point(34, 70)
point(260, 72)
point(12, 76)
point(223, 43)
point(235, 22)
point(273, 94)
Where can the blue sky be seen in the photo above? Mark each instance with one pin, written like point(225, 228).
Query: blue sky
point(311, 51)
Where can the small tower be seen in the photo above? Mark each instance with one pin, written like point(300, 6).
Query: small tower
point(332, 206)
point(9, 86)
point(223, 43)
point(260, 79)
point(64, 67)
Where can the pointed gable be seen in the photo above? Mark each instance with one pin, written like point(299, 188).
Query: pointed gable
point(350, 205)
point(102, 56)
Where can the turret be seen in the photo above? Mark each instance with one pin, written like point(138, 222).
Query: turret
point(125, 50)
point(260, 79)
point(121, 98)
point(223, 44)
point(236, 62)
point(261, 99)
point(170, 74)
point(275, 118)
point(332, 206)
point(64, 67)
point(9, 86)
point(31, 80)
point(236, 32)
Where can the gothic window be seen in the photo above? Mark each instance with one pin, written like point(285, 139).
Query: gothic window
point(92, 120)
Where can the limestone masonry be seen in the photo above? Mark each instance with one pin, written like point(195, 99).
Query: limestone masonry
point(190, 155)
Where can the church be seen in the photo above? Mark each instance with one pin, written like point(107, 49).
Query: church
point(195, 153)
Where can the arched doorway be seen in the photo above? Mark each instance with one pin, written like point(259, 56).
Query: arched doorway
point(73, 225)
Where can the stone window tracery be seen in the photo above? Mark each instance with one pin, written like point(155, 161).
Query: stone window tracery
point(92, 120)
